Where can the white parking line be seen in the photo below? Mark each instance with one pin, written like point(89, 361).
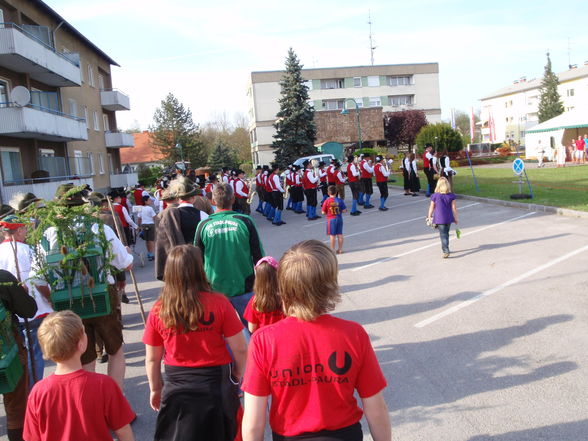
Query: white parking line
point(436, 243)
point(485, 294)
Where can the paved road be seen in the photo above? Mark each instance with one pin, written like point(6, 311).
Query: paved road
point(489, 344)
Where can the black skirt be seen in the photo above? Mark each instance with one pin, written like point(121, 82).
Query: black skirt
point(198, 404)
point(349, 433)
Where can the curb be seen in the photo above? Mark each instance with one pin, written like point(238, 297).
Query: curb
point(529, 207)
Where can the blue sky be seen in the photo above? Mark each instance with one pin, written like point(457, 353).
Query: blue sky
point(203, 52)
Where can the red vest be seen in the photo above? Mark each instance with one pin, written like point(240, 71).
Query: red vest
point(337, 180)
point(378, 172)
point(267, 184)
point(119, 210)
point(245, 189)
point(271, 184)
point(323, 178)
point(350, 176)
point(364, 174)
point(331, 174)
point(138, 194)
point(259, 178)
point(425, 161)
point(306, 184)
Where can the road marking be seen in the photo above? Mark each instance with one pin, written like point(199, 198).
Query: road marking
point(499, 288)
point(371, 212)
point(436, 243)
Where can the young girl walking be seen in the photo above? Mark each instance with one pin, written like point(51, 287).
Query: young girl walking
point(265, 307)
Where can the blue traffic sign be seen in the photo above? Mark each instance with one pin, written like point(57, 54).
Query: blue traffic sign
point(518, 166)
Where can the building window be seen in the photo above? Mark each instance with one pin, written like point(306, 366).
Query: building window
point(90, 75)
point(86, 116)
point(356, 81)
point(73, 107)
point(359, 102)
point(100, 163)
point(101, 82)
point(333, 104)
point(4, 93)
point(96, 122)
point(373, 81)
point(570, 92)
point(405, 80)
point(11, 164)
point(105, 123)
point(91, 163)
point(334, 83)
point(401, 100)
point(375, 101)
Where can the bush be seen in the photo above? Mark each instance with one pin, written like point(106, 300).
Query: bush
point(441, 136)
point(366, 151)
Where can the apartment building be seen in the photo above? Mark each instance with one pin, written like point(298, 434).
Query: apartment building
point(509, 112)
point(389, 87)
point(57, 105)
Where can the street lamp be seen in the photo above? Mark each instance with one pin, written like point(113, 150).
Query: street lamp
point(179, 146)
point(345, 112)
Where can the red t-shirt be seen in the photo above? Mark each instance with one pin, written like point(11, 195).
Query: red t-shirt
point(311, 370)
point(81, 405)
point(261, 318)
point(205, 346)
point(580, 144)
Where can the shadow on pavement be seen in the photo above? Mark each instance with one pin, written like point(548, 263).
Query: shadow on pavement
point(442, 371)
point(384, 281)
point(492, 246)
point(573, 431)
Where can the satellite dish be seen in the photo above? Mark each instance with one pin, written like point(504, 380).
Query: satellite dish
point(21, 96)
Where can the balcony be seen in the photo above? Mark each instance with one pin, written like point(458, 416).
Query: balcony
point(119, 139)
point(29, 49)
point(123, 180)
point(39, 122)
point(51, 173)
point(114, 100)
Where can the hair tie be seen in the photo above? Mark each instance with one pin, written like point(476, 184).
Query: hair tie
point(268, 259)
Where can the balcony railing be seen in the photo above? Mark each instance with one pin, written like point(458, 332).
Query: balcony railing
point(29, 49)
point(113, 99)
point(43, 190)
point(119, 139)
point(41, 120)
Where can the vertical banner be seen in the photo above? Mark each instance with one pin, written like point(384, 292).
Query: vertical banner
point(491, 127)
point(472, 124)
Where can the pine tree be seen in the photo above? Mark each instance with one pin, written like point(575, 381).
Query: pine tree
point(295, 127)
point(550, 104)
point(172, 125)
point(222, 156)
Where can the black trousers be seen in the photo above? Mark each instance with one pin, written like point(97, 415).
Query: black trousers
point(297, 194)
point(367, 185)
point(324, 188)
point(278, 200)
point(349, 433)
point(354, 187)
point(383, 186)
point(310, 197)
point(430, 180)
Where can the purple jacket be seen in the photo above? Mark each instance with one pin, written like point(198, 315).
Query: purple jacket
point(443, 213)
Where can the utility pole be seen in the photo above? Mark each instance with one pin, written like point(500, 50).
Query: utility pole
point(372, 47)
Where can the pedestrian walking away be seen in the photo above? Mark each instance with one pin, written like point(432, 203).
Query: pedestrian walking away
point(443, 212)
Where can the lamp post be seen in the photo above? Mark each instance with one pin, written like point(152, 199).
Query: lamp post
point(345, 112)
point(179, 146)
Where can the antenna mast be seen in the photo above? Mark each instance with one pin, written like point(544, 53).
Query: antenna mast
point(372, 47)
point(569, 54)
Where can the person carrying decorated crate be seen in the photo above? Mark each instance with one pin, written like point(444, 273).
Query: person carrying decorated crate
point(76, 254)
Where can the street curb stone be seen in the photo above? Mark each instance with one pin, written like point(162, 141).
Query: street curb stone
point(530, 207)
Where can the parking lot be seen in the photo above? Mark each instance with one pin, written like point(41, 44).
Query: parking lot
point(489, 344)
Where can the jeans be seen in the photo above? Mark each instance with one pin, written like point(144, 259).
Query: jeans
point(37, 353)
point(444, 235)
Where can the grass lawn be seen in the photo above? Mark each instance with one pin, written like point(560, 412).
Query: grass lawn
point(565, 187)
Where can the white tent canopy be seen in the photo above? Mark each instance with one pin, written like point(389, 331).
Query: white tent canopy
point(550, 134)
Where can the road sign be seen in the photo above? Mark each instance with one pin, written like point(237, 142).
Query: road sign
point(518, 166)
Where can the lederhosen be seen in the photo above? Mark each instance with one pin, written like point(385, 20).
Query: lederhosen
point(198, 403)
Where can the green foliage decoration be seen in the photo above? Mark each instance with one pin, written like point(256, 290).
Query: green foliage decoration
point(441, 136)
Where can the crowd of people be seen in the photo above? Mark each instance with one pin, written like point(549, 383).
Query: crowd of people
point(216, 327)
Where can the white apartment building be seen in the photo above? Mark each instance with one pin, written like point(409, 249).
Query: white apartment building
point(392, 87)
point(513, 109)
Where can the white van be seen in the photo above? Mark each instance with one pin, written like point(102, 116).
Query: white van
point(327, 158)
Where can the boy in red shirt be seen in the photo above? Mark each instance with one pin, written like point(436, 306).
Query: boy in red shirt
point(74, 403)
point(334, 208)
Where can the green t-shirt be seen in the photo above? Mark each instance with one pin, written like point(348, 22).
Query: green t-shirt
point(230, 247)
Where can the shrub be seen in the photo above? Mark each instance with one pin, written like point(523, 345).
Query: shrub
point(441, 136)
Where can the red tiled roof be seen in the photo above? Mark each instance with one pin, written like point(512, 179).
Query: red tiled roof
point(144, 150)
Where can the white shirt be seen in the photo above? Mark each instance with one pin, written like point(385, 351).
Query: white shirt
point(311, 176)
point(146, 215)
point(384, 171)
point(24, 255)
point(340, 176)
point(128, 218)
point(278, 184)
point(239, 188)
point(354, 170)
point(366, 166)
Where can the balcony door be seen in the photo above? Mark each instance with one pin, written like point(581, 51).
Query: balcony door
point(11, 165)
point(3, 93)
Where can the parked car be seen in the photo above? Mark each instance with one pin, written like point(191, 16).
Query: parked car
point(327, 158)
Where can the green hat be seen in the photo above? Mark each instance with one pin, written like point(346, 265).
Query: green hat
point(73, 199)
point(5, 210)
point(24, 201)
point(182, 188)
